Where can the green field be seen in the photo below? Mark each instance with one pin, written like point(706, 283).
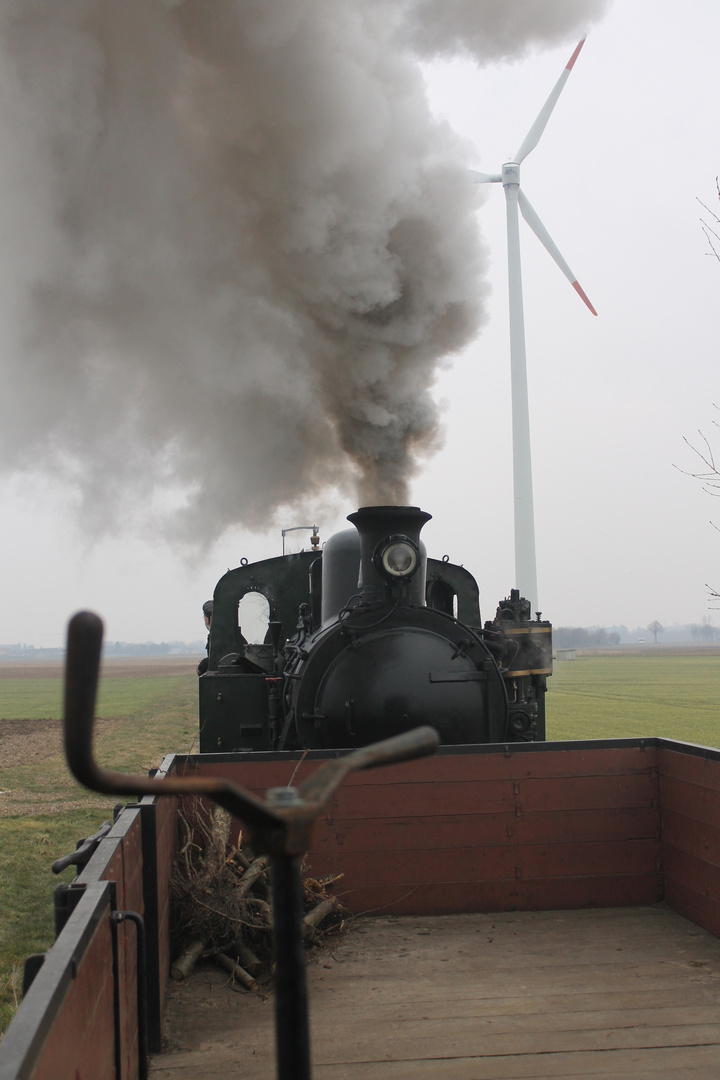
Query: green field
point(673, 695)
point(147, 711)
point(143, 715)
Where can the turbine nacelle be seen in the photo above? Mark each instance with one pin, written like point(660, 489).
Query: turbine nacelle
point(510, 174)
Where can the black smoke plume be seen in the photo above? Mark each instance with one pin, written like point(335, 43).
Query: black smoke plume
point(236, 246)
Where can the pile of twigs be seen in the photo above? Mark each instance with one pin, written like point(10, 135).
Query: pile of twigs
point(222, 902)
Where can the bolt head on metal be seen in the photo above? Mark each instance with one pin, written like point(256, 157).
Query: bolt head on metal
point(284, 796)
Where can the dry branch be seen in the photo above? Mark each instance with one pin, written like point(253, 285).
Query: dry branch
point(313, 919)
point(187, 960)
point(247, 958)
point(237, 972)
point(222, 903)
point(257, 868)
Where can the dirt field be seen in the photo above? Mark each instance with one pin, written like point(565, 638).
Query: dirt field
point(37, 740)
point(40, 742)
point(33, 776)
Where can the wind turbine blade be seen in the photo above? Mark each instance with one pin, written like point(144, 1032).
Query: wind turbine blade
point(533, 136)
point(485, 178)
point(544, 237)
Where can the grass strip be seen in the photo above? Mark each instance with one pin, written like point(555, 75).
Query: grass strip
point(43, 812)
point(611, 697)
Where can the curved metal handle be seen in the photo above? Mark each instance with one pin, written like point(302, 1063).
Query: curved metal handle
point(278, 830)
point(84, 644)
point(419, 742)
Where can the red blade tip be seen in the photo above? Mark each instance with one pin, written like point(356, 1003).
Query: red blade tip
point(575, 55)
point(581, 293)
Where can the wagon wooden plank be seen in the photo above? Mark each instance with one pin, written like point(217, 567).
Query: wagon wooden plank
point(398, 796)
point(609, 983)
point(455, 767)
point(440, 898)
point(693, 801)
point(585, 793)
point(614, 761)
point(694, 872)
point(423, 800)
point(698, 1063)
point(498, 796)
point(699, 839)
point(468, 1038)
point(78, 1042)
point(132, 899)
point(665, 1063)
point(426, 833)
point(688, 767)
point(693, 905)
point(625, 1013)
point(167, 842)
point(498, 863)
point(605, 994)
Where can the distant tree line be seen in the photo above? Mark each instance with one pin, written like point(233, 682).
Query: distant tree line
point(151, 648)
point(704, 631)
point(577, 637)
point(29, 652)
point(19, 651)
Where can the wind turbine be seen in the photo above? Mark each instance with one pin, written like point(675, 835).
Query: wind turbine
point(525, 566)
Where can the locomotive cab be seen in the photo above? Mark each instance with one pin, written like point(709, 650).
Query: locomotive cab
point(365, 641)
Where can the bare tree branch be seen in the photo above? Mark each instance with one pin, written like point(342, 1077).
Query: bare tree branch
point(710, 479)
point(709, 229)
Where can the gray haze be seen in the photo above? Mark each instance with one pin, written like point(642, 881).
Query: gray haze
point(236, 246)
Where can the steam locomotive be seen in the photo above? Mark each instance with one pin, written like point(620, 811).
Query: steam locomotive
point(366, 639)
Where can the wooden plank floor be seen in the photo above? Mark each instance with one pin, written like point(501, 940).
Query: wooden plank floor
point(630, 992)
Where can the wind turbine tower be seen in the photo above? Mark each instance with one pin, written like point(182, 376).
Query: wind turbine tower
point(525, 564)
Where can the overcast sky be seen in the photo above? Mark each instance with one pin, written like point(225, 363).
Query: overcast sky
point(622, 535)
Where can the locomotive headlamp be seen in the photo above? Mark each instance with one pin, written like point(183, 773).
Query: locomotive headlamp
point(522, 719)
point(396, 558)
point(519, 722)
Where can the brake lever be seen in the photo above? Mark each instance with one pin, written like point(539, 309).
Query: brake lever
point(280, 826)
point(281, 830)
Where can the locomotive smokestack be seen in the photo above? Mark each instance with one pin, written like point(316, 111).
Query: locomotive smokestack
point(389, 544)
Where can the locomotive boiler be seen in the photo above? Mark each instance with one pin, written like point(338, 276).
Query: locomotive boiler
point(368, 638)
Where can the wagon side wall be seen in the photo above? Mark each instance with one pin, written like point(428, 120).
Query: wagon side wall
point(165, 835)
point(65, 1027)
point(690, 809)
point(80, 1016)
point(479, 830)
